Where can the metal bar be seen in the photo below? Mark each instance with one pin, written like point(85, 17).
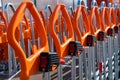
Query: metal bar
point(60, 77)
point(32, 28)
point(35, 3)
point(116, 49)
point(39, 42)
point(85, 62)
point(81, 66)
point(14, 75)
point(51, 42)
point(2, 6)
point(6, 10)
point(22, 40)
point(100, 56)
point(46, 76)
point(88, 63)
point(110, 52)
point(29, 48)
point(9, 60)
point(47, 23)
point(73, 68)
point(105, 59)
point(73, 4)
point(93, 63)
point(14, 62)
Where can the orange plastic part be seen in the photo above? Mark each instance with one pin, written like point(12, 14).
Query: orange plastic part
point(105, 19)
point(118, 18)
point(82, 35)
point(97, 28)
point(43, 19)
point(112, 14)
point(3, 38)
point(112, 18)
point(115, 15)
point(118, 13)
point(4, 20)
point(108, 14)
point(3, 26)
point(61, 49)
point(31, 64)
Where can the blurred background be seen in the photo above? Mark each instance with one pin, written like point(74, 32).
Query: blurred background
point(42, 3)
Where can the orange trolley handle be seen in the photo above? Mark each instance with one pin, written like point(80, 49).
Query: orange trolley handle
point(99, 30)
point(112, 14)
point(110, 25)
point(43, 19)
point(118, 19)
point(3, 37)
point(94, 12)
point(114, 24)
point(4, 20)
point(29, 65)
point(82, 35)
point(104, 18)
point(106, 15)
point(117, 15)
point(62, 49)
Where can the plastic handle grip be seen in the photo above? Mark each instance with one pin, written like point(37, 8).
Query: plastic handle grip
point(112, 11)
point(95, 13)
point(61, 48)
point(29, 65)
point(81, 9)
point(118, 15)
point(4, 19)
point(105, 17)
point(81, 37)
point(102, 15)
point(43, 19)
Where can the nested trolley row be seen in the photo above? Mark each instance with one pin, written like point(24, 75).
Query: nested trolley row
point(72, 44)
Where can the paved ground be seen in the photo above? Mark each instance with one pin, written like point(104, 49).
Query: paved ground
point(34, 77)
